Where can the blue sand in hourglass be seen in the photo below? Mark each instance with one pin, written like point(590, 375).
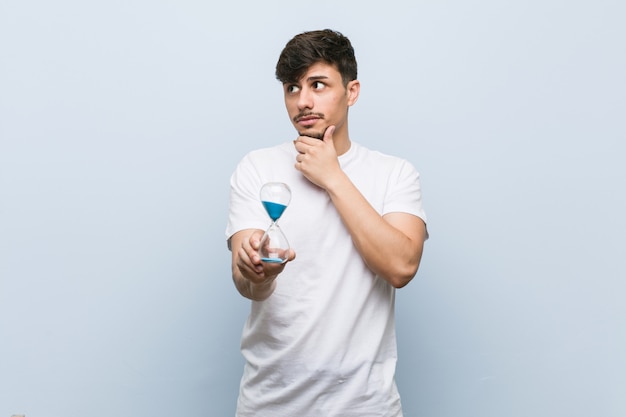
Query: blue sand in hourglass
point(272, 260)
point(274, 210)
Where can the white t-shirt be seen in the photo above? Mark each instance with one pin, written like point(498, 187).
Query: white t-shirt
point(324, 343)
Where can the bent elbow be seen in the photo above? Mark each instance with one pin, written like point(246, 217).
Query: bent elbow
point(401, 280)
point(404, 274)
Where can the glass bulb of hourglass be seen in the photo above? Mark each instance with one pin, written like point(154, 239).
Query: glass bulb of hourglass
point(274, 246)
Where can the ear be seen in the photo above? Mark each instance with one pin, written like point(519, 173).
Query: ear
point(352, 90)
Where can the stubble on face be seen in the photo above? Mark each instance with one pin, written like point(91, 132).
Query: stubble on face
point(314, 135)
point(307, 132)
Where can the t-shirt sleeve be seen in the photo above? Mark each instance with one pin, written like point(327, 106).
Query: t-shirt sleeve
point(245, 208)
point(404, 192)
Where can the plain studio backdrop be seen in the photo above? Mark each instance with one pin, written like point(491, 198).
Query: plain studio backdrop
point(121, 122)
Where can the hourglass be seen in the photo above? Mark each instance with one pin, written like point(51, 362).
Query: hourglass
point(274, 247)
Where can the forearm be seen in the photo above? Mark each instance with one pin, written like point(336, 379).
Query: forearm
point(251, 290)
point(391, 252)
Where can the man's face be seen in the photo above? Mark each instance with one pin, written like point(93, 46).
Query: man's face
point(318, 100)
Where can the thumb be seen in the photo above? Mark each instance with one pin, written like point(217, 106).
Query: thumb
point(255, 240)
point(328, 134)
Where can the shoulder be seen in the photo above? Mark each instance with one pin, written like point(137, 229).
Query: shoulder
point(285, 148)
point(269, 155)
point(379, 161)
point(262, 165)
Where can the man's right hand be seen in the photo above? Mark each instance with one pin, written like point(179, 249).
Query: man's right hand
point(253, 278)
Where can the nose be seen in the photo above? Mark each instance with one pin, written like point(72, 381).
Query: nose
point(305, 99)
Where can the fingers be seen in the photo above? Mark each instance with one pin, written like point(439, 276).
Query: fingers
point(250, 265)
point(249, 270)
point(304, 143)
point(249, 261)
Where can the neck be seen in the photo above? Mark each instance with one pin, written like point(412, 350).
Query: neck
point(342, 145)
point(341, 138)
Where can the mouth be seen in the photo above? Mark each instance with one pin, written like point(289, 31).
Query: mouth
point(308, 119)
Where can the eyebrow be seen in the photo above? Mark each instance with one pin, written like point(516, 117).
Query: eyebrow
point(317, 77)
point(309, 79)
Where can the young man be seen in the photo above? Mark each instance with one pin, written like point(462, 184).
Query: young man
point(320, 339)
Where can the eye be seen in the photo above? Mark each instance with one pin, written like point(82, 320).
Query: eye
point(318, 85)
point(292, 88)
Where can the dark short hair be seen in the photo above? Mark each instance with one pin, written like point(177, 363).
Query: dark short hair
point(309, 48)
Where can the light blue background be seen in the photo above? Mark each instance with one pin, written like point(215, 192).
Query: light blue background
point(121, 122)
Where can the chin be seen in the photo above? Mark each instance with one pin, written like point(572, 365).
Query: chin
point(312, 133)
